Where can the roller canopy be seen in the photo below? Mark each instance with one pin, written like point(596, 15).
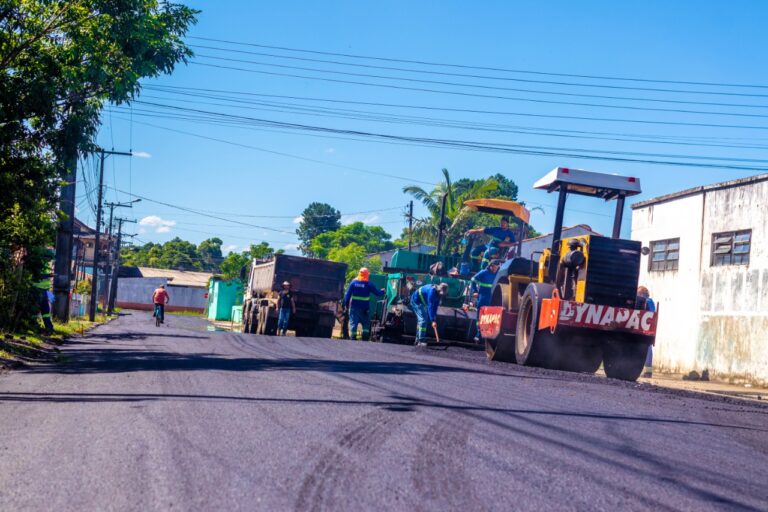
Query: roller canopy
point(500, 207)
point(578, 181)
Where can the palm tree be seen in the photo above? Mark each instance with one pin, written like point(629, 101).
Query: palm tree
point(425, 230)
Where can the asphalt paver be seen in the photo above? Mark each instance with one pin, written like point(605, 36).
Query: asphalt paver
point(176, 417)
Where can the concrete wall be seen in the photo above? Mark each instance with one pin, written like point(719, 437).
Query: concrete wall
point(733, 331)
point(136, 293)
point(675, 291)
point(713, 318)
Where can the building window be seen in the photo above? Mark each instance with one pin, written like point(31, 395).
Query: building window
point(665, 254)
point(731, 248)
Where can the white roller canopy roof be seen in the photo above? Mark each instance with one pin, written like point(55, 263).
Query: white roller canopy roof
point(578, 181)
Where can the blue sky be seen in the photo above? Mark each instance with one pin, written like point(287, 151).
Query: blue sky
point(693, 41)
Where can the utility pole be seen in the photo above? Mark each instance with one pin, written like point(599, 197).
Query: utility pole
point(62, 267)
point(441, 226)
point(410, 225)
point(108, 275)
point(97, 247)
point(112, 290)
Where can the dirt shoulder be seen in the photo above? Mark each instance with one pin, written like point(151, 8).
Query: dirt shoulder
point(30, 348)
point(740, 391)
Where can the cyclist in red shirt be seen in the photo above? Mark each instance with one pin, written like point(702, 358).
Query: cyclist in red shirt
point(160, 298)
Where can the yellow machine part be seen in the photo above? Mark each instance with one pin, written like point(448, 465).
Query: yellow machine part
point(544, 264)
point(581, 283)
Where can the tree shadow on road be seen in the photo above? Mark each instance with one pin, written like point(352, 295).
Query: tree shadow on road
point(102, 337)
point(112, 360)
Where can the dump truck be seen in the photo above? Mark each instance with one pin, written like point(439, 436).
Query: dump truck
point(318, 286)
point(576, 306)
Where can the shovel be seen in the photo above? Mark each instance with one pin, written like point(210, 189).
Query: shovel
point(438, 344)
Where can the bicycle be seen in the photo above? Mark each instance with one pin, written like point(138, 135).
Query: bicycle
point(158, 315)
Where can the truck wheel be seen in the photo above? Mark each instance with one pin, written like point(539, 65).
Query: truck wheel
point(250, 320)
point(624, 357)
point(246, 320)
point(263, 315)
point(323, 331)
point(534, 347)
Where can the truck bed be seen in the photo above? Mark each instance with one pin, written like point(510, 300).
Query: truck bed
point(321, 278)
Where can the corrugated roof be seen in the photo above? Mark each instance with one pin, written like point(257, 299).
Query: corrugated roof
point(698, 190)
point(178, 277)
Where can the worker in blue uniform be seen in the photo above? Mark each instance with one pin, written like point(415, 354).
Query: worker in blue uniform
point(502, 238)
point(491, 253)
point(357, 299)
point(482, 285)
point(424, 302)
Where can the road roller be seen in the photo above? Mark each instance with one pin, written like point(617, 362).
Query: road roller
point(574, 305)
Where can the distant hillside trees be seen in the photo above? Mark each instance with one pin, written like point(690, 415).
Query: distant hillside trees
point(179, 254)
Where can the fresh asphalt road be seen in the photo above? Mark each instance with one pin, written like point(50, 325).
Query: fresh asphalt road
point(176, 417)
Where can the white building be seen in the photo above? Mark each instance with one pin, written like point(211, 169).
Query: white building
point(533, 247)
point(708, 271)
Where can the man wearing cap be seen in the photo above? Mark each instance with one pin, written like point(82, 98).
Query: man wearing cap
point(357, 299)
point(286, 305)
point(482, 286)
point(424, 303)
point(502, 238)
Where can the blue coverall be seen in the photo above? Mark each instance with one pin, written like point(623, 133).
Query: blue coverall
point(424, 303)
point(357, 299)
point(498, 235)
point(482, 283)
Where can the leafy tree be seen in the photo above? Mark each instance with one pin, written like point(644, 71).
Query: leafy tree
point(316, 219)
point(505, 188)
point(209, 252)
point(457, 218)
point(179, 254)
point(60, 61)
point(232, 265)
point(370, 238)
point(355, 256)
point(262, 251)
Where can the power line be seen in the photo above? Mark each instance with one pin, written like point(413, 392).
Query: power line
point(507, 148)
point(231, 214)
point(511, 98)
point(460, 93)
point(485, 77)
point(246, 146)
point(505, 70)
point(204, 214)
point(372, 211)
point(437, 122)
point(523, 114)
point(199, 92)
